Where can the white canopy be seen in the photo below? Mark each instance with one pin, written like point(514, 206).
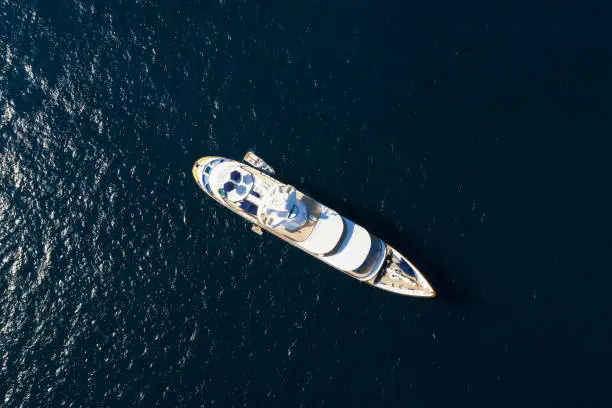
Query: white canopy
point(326, 233)
point(354, 249)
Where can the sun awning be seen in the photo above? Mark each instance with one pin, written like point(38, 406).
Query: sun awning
point(354, 249)
point(326, 233)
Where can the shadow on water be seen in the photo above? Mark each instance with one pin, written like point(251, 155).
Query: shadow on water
point(440, 277)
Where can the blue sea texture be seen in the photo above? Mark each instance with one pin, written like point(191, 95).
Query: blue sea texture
point(473, 138)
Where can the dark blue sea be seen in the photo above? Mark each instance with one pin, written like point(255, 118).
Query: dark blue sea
point(474, 137)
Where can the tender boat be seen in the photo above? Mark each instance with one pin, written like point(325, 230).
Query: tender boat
point(251, 191)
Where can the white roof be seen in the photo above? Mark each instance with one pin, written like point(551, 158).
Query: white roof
point(326, 233)
point(354, 249)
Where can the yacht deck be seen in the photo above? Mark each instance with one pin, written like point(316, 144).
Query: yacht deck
point(314, 211)
point(262, 184)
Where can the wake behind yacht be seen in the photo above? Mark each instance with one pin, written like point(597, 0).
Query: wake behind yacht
point(251, 191)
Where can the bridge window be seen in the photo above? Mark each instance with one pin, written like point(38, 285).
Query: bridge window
point(372, 261)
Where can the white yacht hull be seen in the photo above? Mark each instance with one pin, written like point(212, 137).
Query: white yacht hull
point(386, 268)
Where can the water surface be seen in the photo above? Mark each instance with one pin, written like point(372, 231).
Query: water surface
point(474, 139)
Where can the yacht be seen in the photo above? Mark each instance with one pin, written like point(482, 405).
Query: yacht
point(250, 190)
